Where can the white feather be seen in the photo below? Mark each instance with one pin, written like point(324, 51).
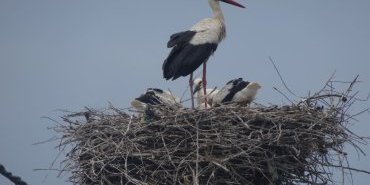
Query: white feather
point(217, 99)
point(209, 30)
point(168, 98)
point(210, 94)
point(202, 106)
point(248, 94)
point(165, 98)
point(200, 93)
point(138, 105)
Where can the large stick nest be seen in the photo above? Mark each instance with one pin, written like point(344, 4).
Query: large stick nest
point(230, 144)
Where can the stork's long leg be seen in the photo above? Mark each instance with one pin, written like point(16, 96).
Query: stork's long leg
point(205, 84)
point(191, 83)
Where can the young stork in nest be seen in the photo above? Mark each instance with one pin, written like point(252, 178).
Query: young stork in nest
point(193, 47)
point(198, 90)
point(153, 97)
point(237, 91)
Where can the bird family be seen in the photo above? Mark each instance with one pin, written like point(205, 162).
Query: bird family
point(189, 50)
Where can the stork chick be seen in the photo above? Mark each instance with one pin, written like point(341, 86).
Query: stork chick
point(153, 97)
point(210, 93)
point(237, 91)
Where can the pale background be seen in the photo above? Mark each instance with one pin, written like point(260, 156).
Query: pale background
point(67, 54)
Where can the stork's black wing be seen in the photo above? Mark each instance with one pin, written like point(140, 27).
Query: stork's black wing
point(184, 57)
point(237, 85)
point(180, 38)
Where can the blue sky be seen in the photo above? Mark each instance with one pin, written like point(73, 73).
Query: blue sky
point(74, 53)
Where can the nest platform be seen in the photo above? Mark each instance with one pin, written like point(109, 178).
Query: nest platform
point(229, 144)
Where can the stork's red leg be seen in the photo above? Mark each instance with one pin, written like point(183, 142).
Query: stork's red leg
point(191, 90)
point(205, 84)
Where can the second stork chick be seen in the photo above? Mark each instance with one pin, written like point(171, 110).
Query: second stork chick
point(198, 90)
point(145, 103)
point(237, 91)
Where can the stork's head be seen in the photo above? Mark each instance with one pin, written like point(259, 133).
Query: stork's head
point(232, 2)
point(254, 86)
point(251, 91)
point(198, 85)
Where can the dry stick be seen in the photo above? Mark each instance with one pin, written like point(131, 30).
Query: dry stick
point(54, 161)
point(286, 97)
point(197, 160)
point(54, 138)
point(348, 168)
point(280, 76)
point(128, 126)
point(168, 152)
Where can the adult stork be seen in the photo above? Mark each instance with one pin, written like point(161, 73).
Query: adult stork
point(237, 91)
point(193, 47)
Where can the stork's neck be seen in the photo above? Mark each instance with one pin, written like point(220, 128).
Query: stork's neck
point(200, 95)
point(217, 12)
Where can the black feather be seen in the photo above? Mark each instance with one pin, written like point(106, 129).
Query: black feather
point(155, 89)
point(180, 38)
point(236, 86)
point(185, 59)
point(149, 98)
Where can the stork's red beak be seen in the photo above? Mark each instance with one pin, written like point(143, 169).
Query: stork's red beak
point(232, 2)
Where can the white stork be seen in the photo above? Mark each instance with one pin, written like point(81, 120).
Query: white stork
point(154, 96)
point(238, 91)
point(193, 47)
point(198, 89)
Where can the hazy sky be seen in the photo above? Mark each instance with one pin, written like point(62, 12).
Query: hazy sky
point(67, 54)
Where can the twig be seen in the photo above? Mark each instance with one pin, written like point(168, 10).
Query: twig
point(280, 76)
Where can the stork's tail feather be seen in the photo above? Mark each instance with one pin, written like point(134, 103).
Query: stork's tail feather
point(138, 105)
point(168, 71)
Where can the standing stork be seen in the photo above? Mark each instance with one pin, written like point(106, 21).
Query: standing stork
point(193, 47)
